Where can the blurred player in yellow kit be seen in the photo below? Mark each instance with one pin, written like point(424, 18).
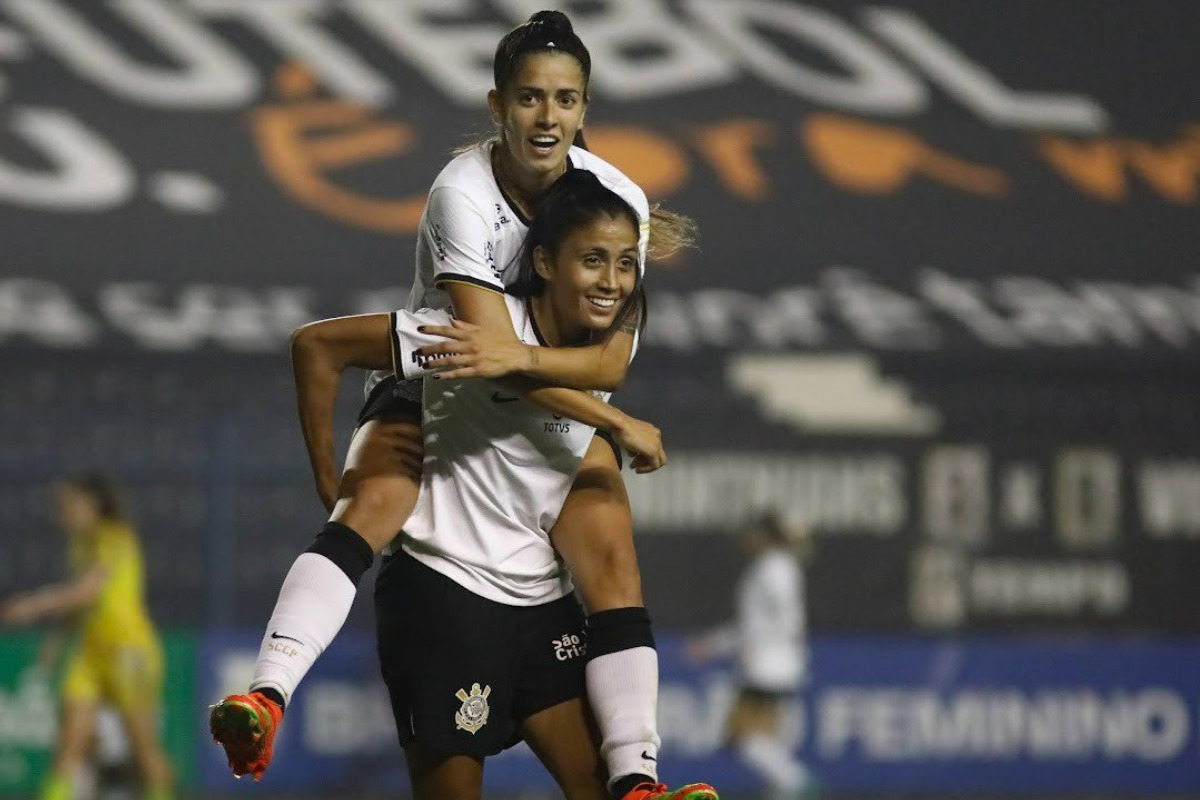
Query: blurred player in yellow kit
point(114, 657)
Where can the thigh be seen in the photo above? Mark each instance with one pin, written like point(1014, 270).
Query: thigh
point(594, 533)
point(448, 658)
point(133, 676)
point(440, 777)
point(81, 680)
point(381, 478)
point(564, 739)
point(553, 657)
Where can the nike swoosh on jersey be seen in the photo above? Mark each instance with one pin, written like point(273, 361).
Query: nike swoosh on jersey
point(289, 638)
point(498, 398)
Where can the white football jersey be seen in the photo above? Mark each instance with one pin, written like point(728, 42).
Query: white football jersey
point(497, 470)
point(769, 636)
point(771, 622)
point(471, 233)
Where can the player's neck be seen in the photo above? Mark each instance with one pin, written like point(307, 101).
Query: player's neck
point(551, 326)
point(524, 186)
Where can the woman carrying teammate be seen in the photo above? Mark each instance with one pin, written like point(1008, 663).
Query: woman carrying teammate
point(481, 641)
point(114, 657)
point(472, 231)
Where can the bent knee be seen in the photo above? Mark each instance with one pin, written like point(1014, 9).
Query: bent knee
point(380, 496)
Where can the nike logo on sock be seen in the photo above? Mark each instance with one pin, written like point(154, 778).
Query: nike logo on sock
point(275, 635)
point(649, 757)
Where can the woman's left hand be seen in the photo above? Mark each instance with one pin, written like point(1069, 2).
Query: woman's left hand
point(471, 353)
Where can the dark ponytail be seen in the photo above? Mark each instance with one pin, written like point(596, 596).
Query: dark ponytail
point(576, 199)
point(544, 32)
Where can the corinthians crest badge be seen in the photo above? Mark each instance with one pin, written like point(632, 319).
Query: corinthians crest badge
point(474, 712)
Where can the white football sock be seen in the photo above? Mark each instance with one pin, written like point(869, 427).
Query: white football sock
point(313, 603)
point(623, 691)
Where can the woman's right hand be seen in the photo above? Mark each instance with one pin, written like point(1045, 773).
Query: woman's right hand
point(642, 441)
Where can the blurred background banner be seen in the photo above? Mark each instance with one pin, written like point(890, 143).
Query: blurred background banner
point(945, 315)
point(945, 312)
point(883, 714)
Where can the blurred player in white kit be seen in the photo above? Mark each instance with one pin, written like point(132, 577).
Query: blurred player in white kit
point(768, 641)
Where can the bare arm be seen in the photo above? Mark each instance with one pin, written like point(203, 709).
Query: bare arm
point(56, 599)
point(488, 311)
point(491, 349)
point(320, 352)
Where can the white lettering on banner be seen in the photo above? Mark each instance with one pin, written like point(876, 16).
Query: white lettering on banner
point(44, 313)
point(831, 394)
point(1020, 504)
point(343, 718)
point(847, 310)
point(454, 54)
point(86, 173)
point(881, 317)
point(831, 493)
point(1043, 313)
point(692, 719)
point(897, 724)
point(238, 319)
point(1008, 587)
point(974, 87)
point(937, 596)
point(457, 59)
point(870, 79)
point(292, 26)
point(13, 46)
point(1088, 498)
point(957, 495)
point(965, 303)
point(212, 75)
point(1169, 490)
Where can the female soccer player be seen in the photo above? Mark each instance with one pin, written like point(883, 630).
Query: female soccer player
point(768, 640)
point(115, 657)
point(473, 229)
point(480, 639)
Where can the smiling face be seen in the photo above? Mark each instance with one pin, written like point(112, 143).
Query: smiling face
point(540, 111)
point(592, 274)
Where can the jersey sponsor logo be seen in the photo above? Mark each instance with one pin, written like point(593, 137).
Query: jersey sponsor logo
point(571, 645)
point(557, 427)
point(474, 712)
point(499, 398)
